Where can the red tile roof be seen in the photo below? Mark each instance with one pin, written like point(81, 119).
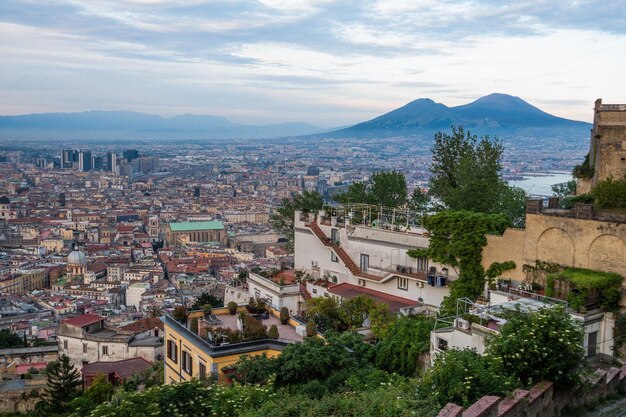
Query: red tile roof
point(83, 320)
point(350, 291)
point(143, 325)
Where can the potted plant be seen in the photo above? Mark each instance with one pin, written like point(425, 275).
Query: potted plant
point(232, 308)
point(284, 315)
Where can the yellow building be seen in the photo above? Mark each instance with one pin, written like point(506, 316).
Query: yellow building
point(189, 356)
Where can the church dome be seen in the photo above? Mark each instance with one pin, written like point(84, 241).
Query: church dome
point(5, 200)
point(76, 257)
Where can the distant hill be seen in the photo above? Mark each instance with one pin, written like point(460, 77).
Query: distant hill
point(132, 125)
point(495, 113)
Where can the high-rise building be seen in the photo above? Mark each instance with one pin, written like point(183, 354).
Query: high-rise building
point(313, 170)
point(196, 191)
point(67, 158)
point(97, 163)
point(84, 161)
point(112, 162)
point(130, 154)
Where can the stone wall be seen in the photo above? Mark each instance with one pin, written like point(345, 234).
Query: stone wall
point(542, 400)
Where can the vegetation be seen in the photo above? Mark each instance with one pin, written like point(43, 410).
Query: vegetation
point(9, 340)
point(462, 377)
point(180, 313)
point(385, 188)
point(566, 193)
point(272, 333)
point(64, 384)
point(467, 175)
point(457, 239)
point(402, 345)
point(544, 345)
point(610, 193)
point(207, 301)
point(100, 391)
point(311, 329)
point(232, 308)
point(329, 315)
point(283, 219)
point(584, 170)
point(587, 284)
point(284, 315)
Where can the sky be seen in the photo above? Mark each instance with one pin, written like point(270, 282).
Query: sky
point(329, 63)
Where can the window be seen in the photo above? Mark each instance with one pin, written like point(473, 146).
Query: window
point(257, 293)
point(269, 300)
point(65, 344)
point(186, 362)
point(333, 256)
point(422, 264)
point(105, 350)
point(365, 262)
point(442, 344)
point(84, 347)
point(201, 371)
point(403, 283)
point(592, 344)
point(172, 351)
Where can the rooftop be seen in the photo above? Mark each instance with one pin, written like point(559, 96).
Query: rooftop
point(196, 226)
point(83, 320)
point(124, 368)
point(395, 303)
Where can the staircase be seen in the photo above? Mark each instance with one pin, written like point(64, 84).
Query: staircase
point(341, 253)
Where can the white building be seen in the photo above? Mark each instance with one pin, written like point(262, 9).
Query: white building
point(461, 334)
point(279, 291)
point(134, 292)
point(86, 339)
point(372, 255)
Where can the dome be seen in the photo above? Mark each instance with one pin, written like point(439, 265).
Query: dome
point(76, 257)
point(5, 200)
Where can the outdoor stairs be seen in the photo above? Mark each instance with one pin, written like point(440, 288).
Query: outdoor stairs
point(341, 253)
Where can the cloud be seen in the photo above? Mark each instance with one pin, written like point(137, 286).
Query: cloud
point(288, 60)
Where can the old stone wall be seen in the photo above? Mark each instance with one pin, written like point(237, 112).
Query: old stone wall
point(542, 400)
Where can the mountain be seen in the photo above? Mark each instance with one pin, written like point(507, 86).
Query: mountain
point(97, 125)
point(495, 113)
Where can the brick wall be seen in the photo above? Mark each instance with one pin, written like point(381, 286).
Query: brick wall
point(542, 400)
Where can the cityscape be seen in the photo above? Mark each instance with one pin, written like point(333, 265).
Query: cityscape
point(271, 209)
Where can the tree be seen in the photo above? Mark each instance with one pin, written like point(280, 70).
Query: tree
point(284, 315)
point(311, 329)
point(385, 188)
point(232, 308)
point(354, 311)
point(63, 384)
point(544, 345)
point(283, 218)
point(457, 239)
point(180, 314)
point(419, 200)
point(154, 312)
point(193, 325)
point(402, 345)
point(100, 391)
point(272, 333)
point(207, 300)
point(467, 175)
point(325, 312)
point(10, 340)
point(462, 377)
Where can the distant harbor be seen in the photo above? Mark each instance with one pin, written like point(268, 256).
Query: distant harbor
point(540, 183)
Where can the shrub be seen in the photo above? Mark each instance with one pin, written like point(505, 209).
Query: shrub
point(232, 308)
point(253, 329)
point(273, 332)
point(311, 329)
point(193, 325)
point(180, 314)
point(256, 306)
point(544, 345)
point(610, 193)
point(284, 315)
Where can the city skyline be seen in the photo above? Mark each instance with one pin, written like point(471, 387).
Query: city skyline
point(326, 63)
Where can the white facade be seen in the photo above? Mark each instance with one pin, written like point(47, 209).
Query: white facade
point(275, 294)
point(134, 293)
point(380, 254)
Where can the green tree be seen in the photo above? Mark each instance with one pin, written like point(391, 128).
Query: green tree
point(402, 345)
point(272, 333)
point(467, 175)
point(543, 345)
point(180, 314)
point(100, 391)
point(462, 377)
point(283, 218)
point(354, 311)
point(207, 300)
point(385, 188)
point(457, 239)
point(154, 312)
point(63, 384)
point(10, 340)
point(419, 200)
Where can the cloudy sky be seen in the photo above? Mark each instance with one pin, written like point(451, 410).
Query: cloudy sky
point(325, 62)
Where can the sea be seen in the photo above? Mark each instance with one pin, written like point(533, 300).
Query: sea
point(540, 183)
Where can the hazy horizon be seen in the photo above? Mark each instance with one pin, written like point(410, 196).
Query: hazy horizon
point(312, 61)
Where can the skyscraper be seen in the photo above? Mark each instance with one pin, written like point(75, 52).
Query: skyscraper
point(84, 161)
point(112, 162)
point(130, 154)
